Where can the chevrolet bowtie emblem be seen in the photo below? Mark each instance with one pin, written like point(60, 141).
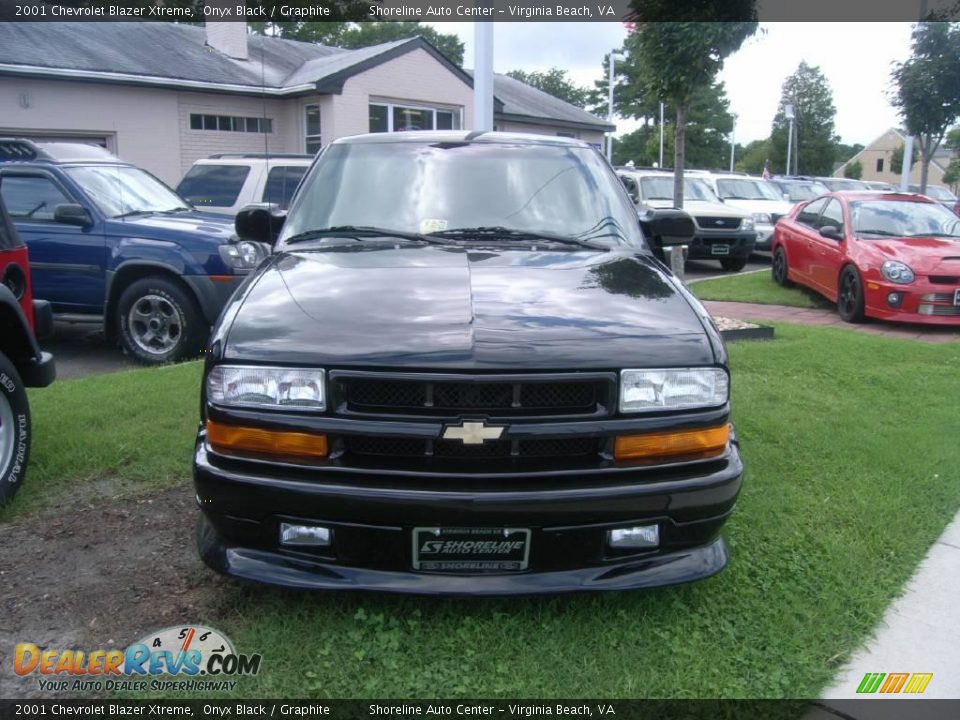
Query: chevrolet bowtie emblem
point(472, 433)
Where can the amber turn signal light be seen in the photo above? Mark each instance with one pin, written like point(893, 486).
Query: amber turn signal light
point(698, 443)
point(234, 438)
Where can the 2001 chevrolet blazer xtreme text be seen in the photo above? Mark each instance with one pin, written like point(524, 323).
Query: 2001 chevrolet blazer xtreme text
point(462, 371)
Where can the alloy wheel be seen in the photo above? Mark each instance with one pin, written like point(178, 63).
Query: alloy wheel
point(156, 325)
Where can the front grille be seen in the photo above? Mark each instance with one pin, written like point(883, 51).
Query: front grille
point(456, 450)
point(939, 310)
point(945, 279)
point(440, 395)
point(718, 223)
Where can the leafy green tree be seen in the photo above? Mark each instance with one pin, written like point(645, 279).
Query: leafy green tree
point(754, 156)
point(951, 175)
point(896, 160)
point(843, 152)
point(814, 142)
point(636, 147)
point(555, 82)
point(355, 35)
point(675, 60)
point(853, 170)
point(927, 87)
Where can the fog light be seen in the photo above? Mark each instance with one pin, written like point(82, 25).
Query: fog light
point(894, 299)
point(642, 536)
point(291, 534)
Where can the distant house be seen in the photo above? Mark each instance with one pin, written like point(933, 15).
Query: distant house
point(163, 95)
point(876, 160)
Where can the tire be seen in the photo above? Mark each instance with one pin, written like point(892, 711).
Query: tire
point(159, 322)
point(733, 264)
point(779, 270)
point(850, 296)
point(14, 430)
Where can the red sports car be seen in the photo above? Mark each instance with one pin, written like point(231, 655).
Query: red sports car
point(884, 255)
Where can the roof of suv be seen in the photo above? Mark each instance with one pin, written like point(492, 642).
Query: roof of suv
point(22, 150)
point(461, 136)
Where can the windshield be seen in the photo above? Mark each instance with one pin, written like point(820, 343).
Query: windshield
point(425, 187)
point(121, 190)
point(799, 191)
point(939, 193)
point(903, 218)
point(661, 188)
point(746, 189)
point(836, 185)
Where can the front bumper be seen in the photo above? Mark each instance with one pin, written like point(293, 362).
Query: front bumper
point(372, 516)
point(740, 245)
point(922, 302)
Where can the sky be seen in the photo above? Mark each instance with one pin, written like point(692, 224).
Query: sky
point(855, 58)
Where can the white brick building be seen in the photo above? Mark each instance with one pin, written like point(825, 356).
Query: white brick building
point(162, 95)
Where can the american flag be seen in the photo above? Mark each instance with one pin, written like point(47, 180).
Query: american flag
point(766, 170)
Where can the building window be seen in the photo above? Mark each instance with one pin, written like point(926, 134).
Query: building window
point(387, 117)
point(311, 122)
point(879, 164)
point(231, 123)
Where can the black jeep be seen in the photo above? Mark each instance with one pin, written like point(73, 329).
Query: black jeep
point(463, 371)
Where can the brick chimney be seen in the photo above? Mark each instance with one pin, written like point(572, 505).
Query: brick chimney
point(228, 37)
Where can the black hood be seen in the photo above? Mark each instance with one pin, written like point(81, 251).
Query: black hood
point(453, 308)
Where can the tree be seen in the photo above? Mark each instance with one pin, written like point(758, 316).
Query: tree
point(675, 60)
point(814, 143)
point(927, 87)
point(853, 170)
point(951, 175)
point(896, 160)
point(355, 35)
point(555, 82)
point(843, 152)
point(754, 156)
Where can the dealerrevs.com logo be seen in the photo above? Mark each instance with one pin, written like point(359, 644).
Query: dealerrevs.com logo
point(180, 655)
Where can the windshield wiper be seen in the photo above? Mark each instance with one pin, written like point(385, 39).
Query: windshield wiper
point(882, 233)
point(359, 232)
point(931, 234)
point(131, 213)
point(505, 233)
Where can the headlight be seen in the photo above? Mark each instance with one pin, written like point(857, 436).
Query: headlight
point(747, 224)
point(762, 218)
point(897, 272)
point(680, 389)
point(267, 387)
point(243, 255)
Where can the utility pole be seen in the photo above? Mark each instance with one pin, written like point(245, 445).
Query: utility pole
point(661, 136)
point(907, 168)
point(733, 133)
point(788, 113)
point(483, 76)
point(613, 55)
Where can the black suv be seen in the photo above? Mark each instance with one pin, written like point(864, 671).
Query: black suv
point(462, 371)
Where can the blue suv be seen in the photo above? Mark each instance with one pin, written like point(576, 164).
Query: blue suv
point(110, 242)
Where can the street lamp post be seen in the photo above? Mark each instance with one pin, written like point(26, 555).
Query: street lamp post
point(733, 133)
point(788, 113)
point(613, 56)
point(661, 136)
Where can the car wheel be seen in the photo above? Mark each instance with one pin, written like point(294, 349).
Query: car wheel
point(850, 296)
point(733, 264)
point(159, 322)
point(779, 269)
point(14, 430)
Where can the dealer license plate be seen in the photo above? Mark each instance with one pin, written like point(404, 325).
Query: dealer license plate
point(467, 550)
point(720, 249)
point(956, 296)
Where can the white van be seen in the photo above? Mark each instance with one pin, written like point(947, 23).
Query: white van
point(224, 183)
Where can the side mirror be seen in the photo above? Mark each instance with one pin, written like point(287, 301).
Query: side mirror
point(832, 232)
point(260, 222)
point(671, 226)
point(72, 214)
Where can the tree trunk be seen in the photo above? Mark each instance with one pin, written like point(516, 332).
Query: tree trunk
point(679, 153)
point(925, 156)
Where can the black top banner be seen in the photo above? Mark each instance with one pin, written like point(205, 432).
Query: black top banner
point(637, 11)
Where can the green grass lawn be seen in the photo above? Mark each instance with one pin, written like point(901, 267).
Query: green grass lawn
point(757, 288)
point(849, 443)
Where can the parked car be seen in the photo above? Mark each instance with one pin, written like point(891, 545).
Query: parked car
point(22, 363)
point(753, 195)
point(796, 190)
point(463, 371)
point(224, 183)
point(722, 233)
point(878, 185)
point(942, 195)
point(111, 243)
point(880, 255)
point(838, 184)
